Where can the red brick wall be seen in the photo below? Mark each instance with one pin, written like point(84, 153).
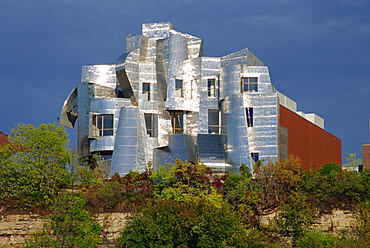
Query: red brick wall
point(366, 156)
point(312, 144)
point(3, 138)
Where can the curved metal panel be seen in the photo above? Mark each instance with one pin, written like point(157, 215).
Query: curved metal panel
point(68, 115)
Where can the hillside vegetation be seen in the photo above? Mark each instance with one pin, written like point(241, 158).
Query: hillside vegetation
point(178, 205)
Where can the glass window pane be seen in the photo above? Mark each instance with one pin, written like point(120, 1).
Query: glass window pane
point(146, 87)
point(178, 83)
point(99, 120)
point(252, 87)
point(108, 132)
point(213, 117)
point(108, 121)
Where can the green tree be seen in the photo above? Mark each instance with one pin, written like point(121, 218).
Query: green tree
point(330, 188)
point(186, 182)
point(276, 181)
point(33, 165)
point(241, 192)
point(294, 217)
point(70, 226)
point(169, 223)
point(352, 162)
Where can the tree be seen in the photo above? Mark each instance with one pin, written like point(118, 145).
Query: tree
point(241, 192)
point(294, 217)
point(169, 223)
point(70, 226)
point(33, 165)
point(352, 162)
point(276, 181)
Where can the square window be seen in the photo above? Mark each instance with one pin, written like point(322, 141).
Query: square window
point(249, 84)
point(103, 125)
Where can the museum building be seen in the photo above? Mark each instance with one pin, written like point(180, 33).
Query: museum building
point(164, 100)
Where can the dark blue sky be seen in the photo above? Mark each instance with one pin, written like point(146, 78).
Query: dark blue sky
point(318, 52)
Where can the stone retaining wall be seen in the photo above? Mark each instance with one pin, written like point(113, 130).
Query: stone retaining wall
point(335, 223)
point(15, 229)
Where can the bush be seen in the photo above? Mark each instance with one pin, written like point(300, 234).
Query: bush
point(70, 226)
point(169, 223)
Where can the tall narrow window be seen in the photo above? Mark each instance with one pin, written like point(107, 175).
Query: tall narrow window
point(179, 92)
point(151, 121)
point(249, 115)
point(255, 156)
point(212, 87)
point(213, 121)
point(177, 121)
point(249, 84)
point(146, 92)
point(103, 125)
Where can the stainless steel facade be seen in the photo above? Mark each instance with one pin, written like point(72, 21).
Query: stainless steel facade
point(164, 100)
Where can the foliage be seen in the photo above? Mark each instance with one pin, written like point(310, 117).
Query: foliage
point(241, 193)
point(33, 165)
point(185, 173)
point(294, 217)
point(186, 182)
point(70, 226)
point(121, 193)
point(169, 223)
point(276, 181)
point(327, 168)
point(363, 217)
point(352, 161)
point(329, 189)
point(86, 171)
point(318, 239)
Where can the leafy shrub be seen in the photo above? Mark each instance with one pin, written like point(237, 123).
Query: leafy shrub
point(70, 226)
point(33, 165)
point(169, 223)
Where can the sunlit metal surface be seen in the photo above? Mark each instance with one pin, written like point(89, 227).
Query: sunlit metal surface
point(164, 77)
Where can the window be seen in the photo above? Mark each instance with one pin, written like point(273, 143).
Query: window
point(213, 121)
point(178, 88)
point(255, 156)
point(177, 122)
point(249, 115)
point(249, 84)
point(151, 121)
point(212, 87)
point(103, 125)
point(146, 92)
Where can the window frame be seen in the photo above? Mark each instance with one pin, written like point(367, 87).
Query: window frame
point(247, 85)
point(146, 92)
point(151, 127)
point(179, 91)
point(177, 122)
point(99, 123)
point(255, 155)
point(212, 88)
point(249, 114)
point(214, 126)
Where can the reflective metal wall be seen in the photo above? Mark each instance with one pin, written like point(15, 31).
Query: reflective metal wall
point(163, 73)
